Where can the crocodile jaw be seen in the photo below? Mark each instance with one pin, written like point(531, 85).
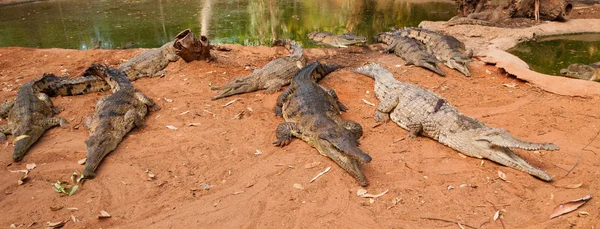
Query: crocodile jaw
point(97, 147)
point(23, 142)
point(349, 164)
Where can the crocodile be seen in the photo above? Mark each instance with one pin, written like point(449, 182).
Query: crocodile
point(76, 86)
point(29, 115)
point(271, 77)
point(115, 115)
point(446, 48)
point(335, 40)
point(411, 50)
point(150, 63)
point(312, 113)
point(414, 109)
point(582, 71)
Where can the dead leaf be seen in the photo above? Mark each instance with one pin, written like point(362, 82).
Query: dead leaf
point(55, 208)
point(572, 186)
point(170, 127)
point(75, 220)
point(168, 100)
point(583, 213)
point(569, 206)
point(82, 161)
point(312, 165)
point(512, 85)
point(361, 192)
point(502, 175)
point(258, 152)
point(298, 186)
point(496, 215)
point(368, 103)
point(367, 195)
point(30, 166)
point(56, 224)
point(194, 124)
point(103, 214)
point(230, 102)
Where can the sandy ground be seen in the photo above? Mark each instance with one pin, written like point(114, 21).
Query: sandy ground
point(423, 177)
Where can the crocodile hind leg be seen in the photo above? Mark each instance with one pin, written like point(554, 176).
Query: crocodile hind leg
point(4, 130)
point(133, 117)
point(56, 121)
point(274, 86)
point(44, 98)
point(284, 133)
point(5, 108)
point(414, 129)
point(152, 106)
point(353, 127)
point(332, 93)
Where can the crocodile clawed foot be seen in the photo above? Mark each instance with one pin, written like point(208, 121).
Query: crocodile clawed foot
point(282, 143)
point(63, 123)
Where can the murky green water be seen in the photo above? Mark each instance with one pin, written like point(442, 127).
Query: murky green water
point(81, 24)
point(549, 54)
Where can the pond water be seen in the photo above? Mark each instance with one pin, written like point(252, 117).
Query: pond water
point(84, 24)
point(549, 54)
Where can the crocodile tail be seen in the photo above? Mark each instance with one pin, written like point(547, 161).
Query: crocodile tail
point(372, 70)
point(294, 48)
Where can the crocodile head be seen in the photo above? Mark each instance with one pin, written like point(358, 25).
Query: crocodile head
point(24, 138)
point(348, 39)
point(580, 71)
point(461, 65)
point(350, 164)
point(494, 144)
point(97, 147)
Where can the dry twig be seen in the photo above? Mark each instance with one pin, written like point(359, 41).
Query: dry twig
point(449, 221)
point(581, 153)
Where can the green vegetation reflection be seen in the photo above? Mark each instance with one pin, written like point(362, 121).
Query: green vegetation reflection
point(549, 54)
point(79, 24)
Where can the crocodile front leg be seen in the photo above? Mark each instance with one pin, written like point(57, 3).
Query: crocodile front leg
point(284, 133)
point(133, 117)
point(55, 121)
point(332, 93)
point(274, 86)
point(281, 100)
point(386, 105)
point(5, 108)
point(354, 128)
point(391, 48)
point(4, 130)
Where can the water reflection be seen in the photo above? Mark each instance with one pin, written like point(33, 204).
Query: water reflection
point(549, 54)
point(114, 23)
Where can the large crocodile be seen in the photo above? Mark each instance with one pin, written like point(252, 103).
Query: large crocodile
point(414, 109)
point(29, 115)
point(446, 48)
point(583, 71)
point(312, 113)
point(114, 117)
point(335, 40)
point(150, 63)
point(271, 77)
point(411, 50)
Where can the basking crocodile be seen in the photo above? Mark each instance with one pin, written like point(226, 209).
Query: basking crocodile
point(114, 117)
point(411, 50)
point(335, 40)
point(312, 113)
point(583, 71)
point(271, 77)
point(76, 86)
point(29, 115)
point(446, 48)
point(413, 108)
point(150, 63)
